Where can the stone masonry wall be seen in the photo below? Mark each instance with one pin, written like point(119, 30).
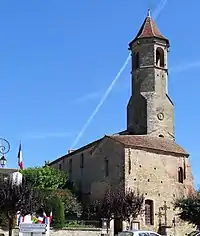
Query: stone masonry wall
point(156, 176)
point(65, 232)
point(76, 232)
point(91, 178)
point(151, 81)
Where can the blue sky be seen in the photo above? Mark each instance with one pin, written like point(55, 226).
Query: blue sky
point(57, 58)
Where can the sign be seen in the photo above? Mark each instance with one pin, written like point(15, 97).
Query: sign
point(32, 228)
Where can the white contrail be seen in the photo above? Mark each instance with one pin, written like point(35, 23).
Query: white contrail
point(158, 10)
point(185, 66)
point(101, 102)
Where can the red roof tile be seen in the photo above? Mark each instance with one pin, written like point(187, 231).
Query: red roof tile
point(150, 142)
point(149, 29)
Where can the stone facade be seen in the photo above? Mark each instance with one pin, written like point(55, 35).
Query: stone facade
point(156, 175)
point(93, 182)
point(64, 232)
point(76, 232)
point(144, 157)
point(150, 100)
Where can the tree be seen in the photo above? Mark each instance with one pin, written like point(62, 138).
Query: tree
point(72, 208)
point(14, 198)
point(121, 204)
point(189, 208)
point(133, 205)
point(52, 183)
point(55, 204)
point(71, 205)
point(45, 177)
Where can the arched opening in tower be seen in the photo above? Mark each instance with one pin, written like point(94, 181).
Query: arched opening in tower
point(160, 60)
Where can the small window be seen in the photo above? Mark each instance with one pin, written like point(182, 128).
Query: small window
point(60, 166)
point(160, 57)
point(82, 161)
point(70, 168)
point(161, 136)
point(106, 168)
point(129, 165)
point(149, 213)
point(184, 170)
point(180, 175)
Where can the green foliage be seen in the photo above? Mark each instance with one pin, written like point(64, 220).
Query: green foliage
point(189, 208)
point(71, 206)
point(57, 206)
point(79, 224)
point(3, 220)
point(51, 182)
point(45, 177)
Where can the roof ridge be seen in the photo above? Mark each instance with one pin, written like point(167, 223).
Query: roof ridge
point(151, 23)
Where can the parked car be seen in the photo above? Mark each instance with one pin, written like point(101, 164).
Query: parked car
point(138, 233)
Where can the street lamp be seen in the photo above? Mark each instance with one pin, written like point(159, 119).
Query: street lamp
point(3, 161)
point(4, 148)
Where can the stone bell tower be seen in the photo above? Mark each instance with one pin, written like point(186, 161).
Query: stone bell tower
point(150, 109)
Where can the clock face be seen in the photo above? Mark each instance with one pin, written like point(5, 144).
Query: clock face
point(160, 116)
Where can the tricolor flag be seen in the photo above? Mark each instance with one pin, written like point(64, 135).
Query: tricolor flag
point(47, 220)
point(40, 219)
point(44, 214)
point(50, 217)
point(20, 162)
point(18, 217)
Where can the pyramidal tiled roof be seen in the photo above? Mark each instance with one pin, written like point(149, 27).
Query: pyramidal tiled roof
point(149, 29)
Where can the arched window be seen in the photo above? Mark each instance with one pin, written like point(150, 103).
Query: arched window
point(161, 136)
point(149, 212)
point(136, 61)
point(180, 175)
point(160, 59)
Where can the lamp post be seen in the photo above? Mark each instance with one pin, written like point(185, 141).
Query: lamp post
point(4, 149)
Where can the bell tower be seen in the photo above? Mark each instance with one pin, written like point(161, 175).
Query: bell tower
point(150, 109)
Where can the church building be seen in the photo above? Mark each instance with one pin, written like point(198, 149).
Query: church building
point(145, 156)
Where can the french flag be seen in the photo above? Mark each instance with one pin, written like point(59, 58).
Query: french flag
point(50, 217)
point(18, 217)
point(47, 221)
point(20, 161)
point(44, 215)
point(40, 219)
